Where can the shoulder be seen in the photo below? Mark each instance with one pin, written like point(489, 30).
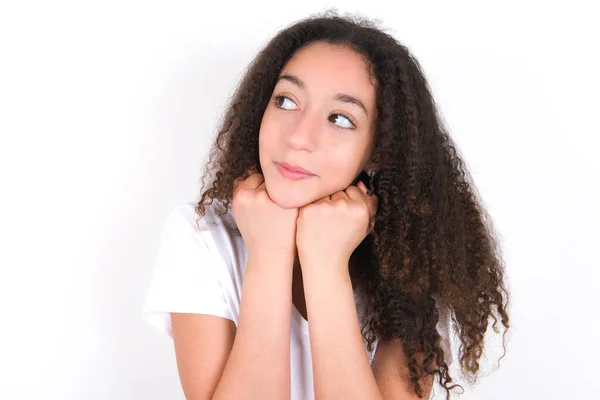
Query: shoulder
point(185, 218)
point(193, 245)
point(183, 215)
point(180, 229)
point(212, 234)
point(189, 274)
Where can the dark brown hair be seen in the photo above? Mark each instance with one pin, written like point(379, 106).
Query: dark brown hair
point(433, 244)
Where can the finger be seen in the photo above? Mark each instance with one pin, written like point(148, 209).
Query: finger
point(262, 186)
point(372, 205)
point(355, 193)
point(254, 181)
point(372, 201)
point(340, 195)
point(249, 172)
point(365, 191)
point(360, 194)
point(363, 188)
point(322, 200)
point(236, 183)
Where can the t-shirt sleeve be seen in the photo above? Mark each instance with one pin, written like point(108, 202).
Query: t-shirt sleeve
point(185, 278)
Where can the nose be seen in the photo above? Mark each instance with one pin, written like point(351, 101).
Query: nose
point(303, 132)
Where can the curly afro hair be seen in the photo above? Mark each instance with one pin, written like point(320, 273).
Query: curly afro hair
point(433, 244)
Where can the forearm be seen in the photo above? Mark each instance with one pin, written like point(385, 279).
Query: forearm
point(259, 363)
point(341, 368)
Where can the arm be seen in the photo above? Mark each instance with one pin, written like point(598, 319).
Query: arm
point(391, 372)
point(259, 364)
point(341, 367)
point(202, 343)
point(340, 364)
point(217, 362)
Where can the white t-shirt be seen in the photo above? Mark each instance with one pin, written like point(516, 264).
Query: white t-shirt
point(200, 269)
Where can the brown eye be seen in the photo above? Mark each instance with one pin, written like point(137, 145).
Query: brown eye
point(279, 103)
point(346, 122)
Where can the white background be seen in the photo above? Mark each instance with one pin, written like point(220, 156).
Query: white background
point(107, 110)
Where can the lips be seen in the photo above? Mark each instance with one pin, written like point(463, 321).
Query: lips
point(293, 173)
point(294, 168)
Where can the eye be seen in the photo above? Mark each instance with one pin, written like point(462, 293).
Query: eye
point(341, 117)
point(276, 100)
point(348, 124)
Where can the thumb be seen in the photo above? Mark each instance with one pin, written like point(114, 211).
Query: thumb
point(371, 200)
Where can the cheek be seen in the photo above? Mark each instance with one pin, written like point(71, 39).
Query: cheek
point(266, 150)
point(266, 141)
point(268, 128)
point(342, 163)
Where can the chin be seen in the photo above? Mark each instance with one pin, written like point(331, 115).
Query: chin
point(289, 197)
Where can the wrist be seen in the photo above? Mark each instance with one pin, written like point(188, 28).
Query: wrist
point(267, 258)
point(334, 267)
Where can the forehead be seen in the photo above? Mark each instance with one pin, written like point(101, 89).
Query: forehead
point(326, 68)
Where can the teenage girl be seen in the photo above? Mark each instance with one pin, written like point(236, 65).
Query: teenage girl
point(340, 241)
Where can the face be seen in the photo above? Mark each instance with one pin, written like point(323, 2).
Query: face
point(321, 118)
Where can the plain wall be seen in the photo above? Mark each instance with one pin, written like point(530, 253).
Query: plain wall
point(107, 110)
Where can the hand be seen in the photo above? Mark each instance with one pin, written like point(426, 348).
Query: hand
point(330, 229)
point(265, 227)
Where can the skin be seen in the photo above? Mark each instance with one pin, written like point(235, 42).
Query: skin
point(320, 221)
point(304, 130)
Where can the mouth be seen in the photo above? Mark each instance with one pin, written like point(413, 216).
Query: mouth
point(293, 172)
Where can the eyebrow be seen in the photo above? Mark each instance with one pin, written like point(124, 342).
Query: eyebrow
point(344, 98)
